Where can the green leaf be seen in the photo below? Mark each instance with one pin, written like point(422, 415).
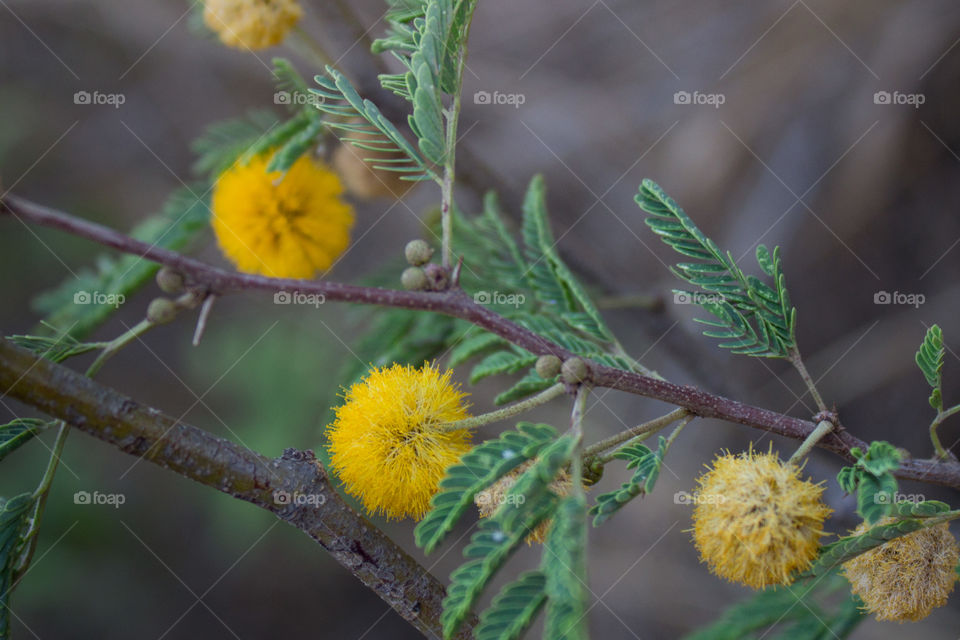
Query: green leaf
point(924, 509)
point(646, 465)
point(299, 144)
point(528, 503)
point(875, 496)
point(834, 554)
point(527, 385)
point(499, 363)
point(473, 346)
point(513, 609)
point(849, 478)
point(18, 432)
point(478, 469)
point(55, 349)
point(880, 458)
point(13, 520)
point(564, 564)
point(74, 303)
point(222, 143)
point(930, 360)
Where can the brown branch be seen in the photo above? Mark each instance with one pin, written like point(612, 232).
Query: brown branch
point(146, 433)
point(458, 304)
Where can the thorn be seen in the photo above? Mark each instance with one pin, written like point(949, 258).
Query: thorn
point(202, 320)
point(455, 277)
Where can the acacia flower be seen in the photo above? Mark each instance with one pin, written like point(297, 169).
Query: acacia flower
point(490, 499)
point(756, 521)
point(251, 24)
point(907, 577)
point(288, 225)
point(386, 443)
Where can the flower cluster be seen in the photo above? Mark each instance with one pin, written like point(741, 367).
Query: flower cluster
point(490, 499)
point(388, 444)
point(765, 524)
point(251, 24)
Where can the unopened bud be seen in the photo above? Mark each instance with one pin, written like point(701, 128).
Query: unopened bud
point(414, 279)
point(169, 281)
point(437, 279)
point(418, 252)
point(161, 310)
point(574, 371)
point(548, 366)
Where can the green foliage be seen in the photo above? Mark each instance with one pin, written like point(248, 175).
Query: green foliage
point(924, 509)
point(55, 349)
point(14, 514)
point(795, 611)
point(646, 466)
point(836, 553)
point(749, 316)
point(513, 609)
point(565, 566)
point(528, 503)
point(930, 360)
point(479, 468)
point(224, 142)
point(18, 432)
point(872, 479)
point(183, 217)
point(360, 123)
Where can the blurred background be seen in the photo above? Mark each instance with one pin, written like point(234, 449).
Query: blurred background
point(826, 128)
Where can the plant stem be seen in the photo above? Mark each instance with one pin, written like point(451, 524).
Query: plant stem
point(823, 428)
point(118, 343)
point(942, 415)
point(797, 363)
point(514, 409)
point(310, 47)
point(576, 427)
point(644, 429)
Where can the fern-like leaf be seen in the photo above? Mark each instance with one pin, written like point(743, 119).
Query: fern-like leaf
point(646, 465)
point(564, 564)
point(18, 432)
point(930, 360)
point(513, 609)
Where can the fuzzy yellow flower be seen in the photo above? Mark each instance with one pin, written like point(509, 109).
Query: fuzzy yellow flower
point(386, 444)
point(288, 225)
point(907, 577)
point(490, 499)
point(756, 521)
point(251, 24)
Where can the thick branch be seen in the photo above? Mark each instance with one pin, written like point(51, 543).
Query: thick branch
point(459, 305)
point(147, 433)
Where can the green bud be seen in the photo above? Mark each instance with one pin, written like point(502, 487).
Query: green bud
point(418, 252)
point(169, 281)
point(414, 279)
point(574, 371)
point(548, 366)
point(161, 310)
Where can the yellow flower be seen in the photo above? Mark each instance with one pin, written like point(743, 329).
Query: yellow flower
point(385, 443)
point(251, 24)
point(282, 225)
point(907, 577)
point(756, 521)
point(490, 499)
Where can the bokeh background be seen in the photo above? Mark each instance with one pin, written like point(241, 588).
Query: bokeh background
point(862, 196)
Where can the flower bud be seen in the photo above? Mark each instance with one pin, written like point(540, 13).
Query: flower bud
point(574, 371)
point(418, 252)
point(169, 281)
point(414, 279)
point(161, 310)
point(548, 366)
point(437, 279)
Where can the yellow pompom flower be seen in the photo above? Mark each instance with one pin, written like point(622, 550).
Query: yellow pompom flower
point(386, 444)
point(907, 577)
point(288, 225)
point(490, 499)
point(251, 24)
point(756, 521)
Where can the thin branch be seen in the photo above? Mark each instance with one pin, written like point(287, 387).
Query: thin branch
point(144, 432)
point(458, 304)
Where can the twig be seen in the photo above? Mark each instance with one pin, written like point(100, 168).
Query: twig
point(514, 409)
